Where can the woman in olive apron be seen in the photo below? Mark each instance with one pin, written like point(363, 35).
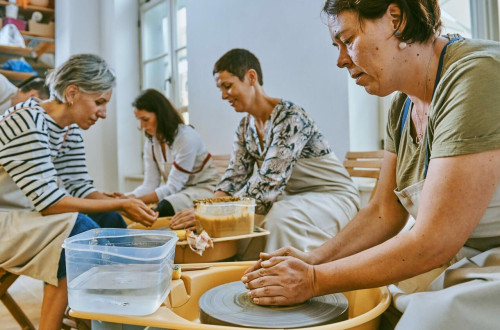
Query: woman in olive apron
point(441, 165)
point(173, 152)
point(45, 189)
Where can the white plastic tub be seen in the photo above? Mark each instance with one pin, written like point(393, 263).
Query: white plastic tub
point(119, 271)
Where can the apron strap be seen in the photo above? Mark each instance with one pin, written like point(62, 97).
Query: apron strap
point(408, 102)
point(193, 172)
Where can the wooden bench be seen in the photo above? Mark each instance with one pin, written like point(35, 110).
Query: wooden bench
point(221, 162)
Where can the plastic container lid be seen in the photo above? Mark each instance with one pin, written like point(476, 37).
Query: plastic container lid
point(144, 245)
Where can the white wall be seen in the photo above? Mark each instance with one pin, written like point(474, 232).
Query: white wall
point(288, 36)
point(108, 28)
point(293, 45)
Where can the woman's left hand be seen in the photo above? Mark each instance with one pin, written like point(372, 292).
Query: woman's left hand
point(281, 281)
point(184, 219)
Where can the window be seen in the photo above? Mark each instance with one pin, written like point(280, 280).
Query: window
point(456, 17)
point(164, 50)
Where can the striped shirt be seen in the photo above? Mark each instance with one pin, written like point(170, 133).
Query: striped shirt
point(45, 161)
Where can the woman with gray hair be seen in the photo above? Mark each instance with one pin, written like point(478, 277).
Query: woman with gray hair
point(46, 193)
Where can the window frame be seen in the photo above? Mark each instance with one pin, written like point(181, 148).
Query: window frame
point(172, 85)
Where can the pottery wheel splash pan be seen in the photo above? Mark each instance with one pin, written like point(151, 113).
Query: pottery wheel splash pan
point(228, 304)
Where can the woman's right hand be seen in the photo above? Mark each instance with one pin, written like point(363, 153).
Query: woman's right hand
point(136, 210)
point(183, 220)
point(282, 252)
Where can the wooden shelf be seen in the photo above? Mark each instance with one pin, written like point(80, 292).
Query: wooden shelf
point(30, 8)
point(16, 76)
point(20, 51)
point(36, 43)
point(31, 34)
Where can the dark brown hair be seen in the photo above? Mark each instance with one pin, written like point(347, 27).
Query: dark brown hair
point(37, 84)
point(238, 61)
point(167, 116)
point(423, 17)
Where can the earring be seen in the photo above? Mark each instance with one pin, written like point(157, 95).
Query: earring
point(402, 44)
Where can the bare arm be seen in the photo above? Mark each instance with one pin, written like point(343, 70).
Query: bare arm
point(133, 208)
point(381, 219)
point(456, 193)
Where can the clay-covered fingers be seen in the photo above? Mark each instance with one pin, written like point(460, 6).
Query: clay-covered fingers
point(280, 281)
point(269, 295)
point(184, 219)
point(252, 268)
point(139, 212)
point(265, 269)
point(285, 251)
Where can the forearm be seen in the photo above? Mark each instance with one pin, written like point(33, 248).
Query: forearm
point(97, 195)
point(149, 198)
point(371, 226)
point(85, 205)
point(399, 258)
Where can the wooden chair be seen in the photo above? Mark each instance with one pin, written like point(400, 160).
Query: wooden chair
point(364, 164)
point(6, 280)
point(221, 162)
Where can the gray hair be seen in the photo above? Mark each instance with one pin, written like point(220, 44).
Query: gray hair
point(89, 72)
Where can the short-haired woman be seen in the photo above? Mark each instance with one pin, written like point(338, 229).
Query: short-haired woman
point(280, 158)
point(46, 194)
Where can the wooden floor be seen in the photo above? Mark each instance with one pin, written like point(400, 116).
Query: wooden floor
point(28, 294)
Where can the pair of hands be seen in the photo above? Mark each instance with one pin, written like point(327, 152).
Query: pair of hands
point(283, 277)
point(184, 219)
point(135, 209)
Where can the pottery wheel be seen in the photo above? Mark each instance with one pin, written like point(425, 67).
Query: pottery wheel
point(228, 304)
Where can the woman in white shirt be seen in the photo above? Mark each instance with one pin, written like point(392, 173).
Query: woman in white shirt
point(173, 152)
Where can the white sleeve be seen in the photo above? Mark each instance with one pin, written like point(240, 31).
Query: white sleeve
point(185, 149)
point(152, 175)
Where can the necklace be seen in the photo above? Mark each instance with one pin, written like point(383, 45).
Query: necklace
point(420, 120)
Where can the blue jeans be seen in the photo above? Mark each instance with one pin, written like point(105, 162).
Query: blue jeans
point(86, 222)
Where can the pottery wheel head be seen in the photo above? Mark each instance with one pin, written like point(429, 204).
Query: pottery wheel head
point(228, 304)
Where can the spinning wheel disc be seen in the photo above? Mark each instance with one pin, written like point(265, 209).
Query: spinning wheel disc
point(228, 304)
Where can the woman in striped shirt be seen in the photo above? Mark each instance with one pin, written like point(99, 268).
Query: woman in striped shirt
point(45, 189)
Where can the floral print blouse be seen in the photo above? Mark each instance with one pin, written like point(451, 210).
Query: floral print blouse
point(290, 134)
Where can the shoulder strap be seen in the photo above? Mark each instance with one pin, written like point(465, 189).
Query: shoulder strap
point(193, 172)
point(408, 101)
point(405, 114)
